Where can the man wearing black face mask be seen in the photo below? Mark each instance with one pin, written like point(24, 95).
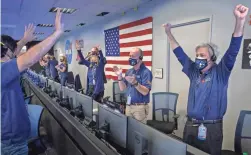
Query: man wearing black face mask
point(137, 81)
point(207, 99)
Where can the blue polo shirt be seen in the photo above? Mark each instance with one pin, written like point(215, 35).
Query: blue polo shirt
point(99, 73)
point(208, 92)
point(15, 124)
point(144, 77)
point(63, 74)
point(53, 71)
point(47, 70)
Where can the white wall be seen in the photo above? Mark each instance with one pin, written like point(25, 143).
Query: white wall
point(177, 11)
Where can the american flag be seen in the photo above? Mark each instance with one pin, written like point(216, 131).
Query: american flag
point(120, 40)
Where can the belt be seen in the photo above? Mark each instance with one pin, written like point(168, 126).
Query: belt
point(136, 104)
point(195, 121)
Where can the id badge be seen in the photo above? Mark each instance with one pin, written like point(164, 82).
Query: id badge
point(94, 82)
point(202, 132)
point(128, 100)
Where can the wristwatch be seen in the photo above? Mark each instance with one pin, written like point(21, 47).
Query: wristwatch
point(136, 84)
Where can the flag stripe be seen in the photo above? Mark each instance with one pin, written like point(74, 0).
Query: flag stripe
point(112, 77)
point(111, 70)
point(136, 23)
point(136, 34)
point(136, 43)
point(136, 28)
point(135, 39)
point(147, 63)
point(143, 48)
point(126, 58)
point(145, 53)
point(122, 66)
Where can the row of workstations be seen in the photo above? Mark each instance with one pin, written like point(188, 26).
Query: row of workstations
point(111, 132)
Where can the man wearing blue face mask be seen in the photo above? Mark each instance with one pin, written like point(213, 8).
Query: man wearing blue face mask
point(207, 99)
point(137, 81)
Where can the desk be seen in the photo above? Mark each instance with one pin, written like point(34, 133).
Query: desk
point(85, 141)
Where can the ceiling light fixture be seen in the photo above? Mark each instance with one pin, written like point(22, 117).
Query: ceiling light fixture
point(45, 25)
point(103, 13)
point(63, 10)
point(38, 33)
point(81, 24)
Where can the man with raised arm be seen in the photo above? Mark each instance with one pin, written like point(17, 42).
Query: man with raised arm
point(207, 99)
point(15, 124)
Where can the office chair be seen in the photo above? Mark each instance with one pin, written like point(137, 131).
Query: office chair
point(118, 95)
point(36, 138)
point(164, 112)
point(77, 83)
point(242, 141)
point(70, 82)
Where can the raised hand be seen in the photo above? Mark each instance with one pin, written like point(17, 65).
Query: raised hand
point(78, 47)
point(29, 33)
point(58, 24)
point(240, 12)
point(117, 71)
point(167, 27)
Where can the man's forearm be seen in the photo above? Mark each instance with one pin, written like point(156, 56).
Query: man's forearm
point(174, 44)
point(122, 85)
point(142, 89)
point(239, 27)
point(20, 45)
point(36, 52)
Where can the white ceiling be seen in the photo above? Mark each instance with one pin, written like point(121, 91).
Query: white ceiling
point(18, 13)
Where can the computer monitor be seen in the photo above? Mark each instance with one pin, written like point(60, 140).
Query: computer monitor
point(71, 93)
point(87, 104)
point(51, 83)
point(57, 87)
point(117, 123)
point(157, 142)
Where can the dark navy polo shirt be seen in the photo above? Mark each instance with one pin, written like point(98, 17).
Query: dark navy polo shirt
point(208, 92)
point(15, 124)
point(53, 71)
point(144, 77)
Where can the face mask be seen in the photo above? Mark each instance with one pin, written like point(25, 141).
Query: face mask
point(93, 63)
point(133, 62)
point(201, 63)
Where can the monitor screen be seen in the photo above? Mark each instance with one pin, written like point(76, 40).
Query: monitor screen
point(87, 104)
point(117, 123)
point(72, 96)
point(158, 142)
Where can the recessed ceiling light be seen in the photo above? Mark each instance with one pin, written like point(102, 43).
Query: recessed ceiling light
point(103, 13)
point(67, 31)
point(81, 24)
point(38, 33)
point(45, 25)
point(64, 10)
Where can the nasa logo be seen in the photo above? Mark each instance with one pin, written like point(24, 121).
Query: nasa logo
point(68, 51)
